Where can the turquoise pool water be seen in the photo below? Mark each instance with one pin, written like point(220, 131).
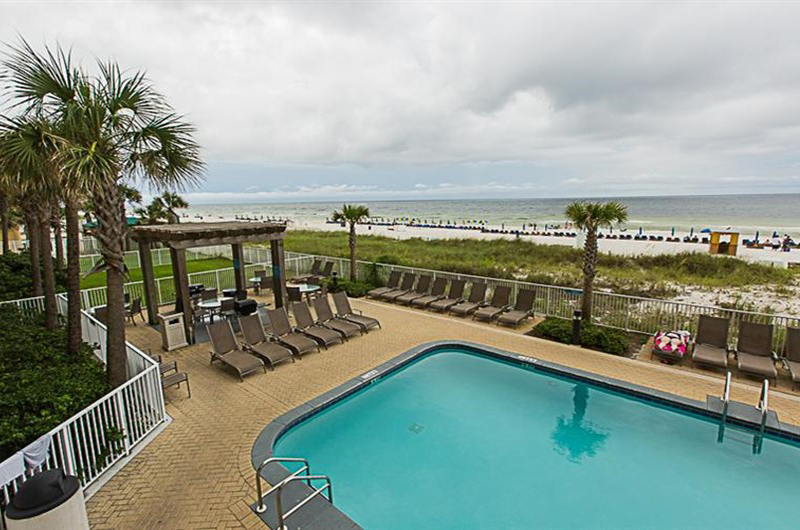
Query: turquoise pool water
point(458, 440)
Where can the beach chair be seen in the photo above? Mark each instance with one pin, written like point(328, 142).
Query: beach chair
point(437, 293)
point(498, 305)
point(225, 349)
point(523, 308)
point(754, 350)
point(394, 281)
point(343, 310)
point(475, 301)
point(324, 335)
point(315, 270)
point(281, 330)
point(791, 358)
point(326, 318)
point(323, 274)
point(454, 296)
point(409, 279)
point(423, 286)
point(257, 342)
point(711, 343)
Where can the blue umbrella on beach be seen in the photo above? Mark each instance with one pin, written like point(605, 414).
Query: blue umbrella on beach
point(640, 230)
point(705, 231)
point(691, 232)
point(757, 234)
point(673, 230)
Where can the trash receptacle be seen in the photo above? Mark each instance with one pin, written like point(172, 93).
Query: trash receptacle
point(173, 334)
point(50, 499)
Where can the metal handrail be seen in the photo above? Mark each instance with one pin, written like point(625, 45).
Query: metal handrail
point(726, 393)
point(763, 404)
point(261, 507)
point(308, 478)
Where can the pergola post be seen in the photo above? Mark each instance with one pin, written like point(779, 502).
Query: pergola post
point(148, 277)
point(278, 274)
point(238, 270)
point(181, 278)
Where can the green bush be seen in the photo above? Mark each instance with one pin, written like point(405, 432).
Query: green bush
point(15, 276)
point(353, 289)
point(40, 386)
point(595, 337)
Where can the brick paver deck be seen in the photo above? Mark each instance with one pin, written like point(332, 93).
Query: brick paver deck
point(197, 473)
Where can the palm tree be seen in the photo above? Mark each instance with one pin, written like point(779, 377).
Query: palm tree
point(352, 214)
point(170, 202)
point(589, 217)
point(152, 214)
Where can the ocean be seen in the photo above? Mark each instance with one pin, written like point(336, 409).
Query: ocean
point(747, 214)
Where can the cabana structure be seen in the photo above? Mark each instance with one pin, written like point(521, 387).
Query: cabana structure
point(181, 236)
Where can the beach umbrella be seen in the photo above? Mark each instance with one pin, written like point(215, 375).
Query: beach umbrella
point(705, 231)
point(691, 232)
point(673, 230)
point(640, 230)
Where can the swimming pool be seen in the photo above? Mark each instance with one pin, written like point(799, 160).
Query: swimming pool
point(458, 439)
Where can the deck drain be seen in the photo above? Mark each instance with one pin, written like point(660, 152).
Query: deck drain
point(416, 428)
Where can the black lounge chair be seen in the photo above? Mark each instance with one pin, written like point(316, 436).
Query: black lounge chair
point(792, 353)
point(324, 274)
point(523, 309)
point(257, 342)
point(422, 288)
point(326, 318)
point(394, 281)
point(409, 279)
point(475, 301)
point(754, 350)
point(454, 296)
point(343, 310)
point(282, 332)
point(315, 271)
point(711, 343)
point(498, 305)
point(324, 335)
point(437, 293)
point(225, 349)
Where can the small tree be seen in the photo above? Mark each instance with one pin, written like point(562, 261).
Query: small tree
point(170, 202)
point(352, 215)
point(589, 217)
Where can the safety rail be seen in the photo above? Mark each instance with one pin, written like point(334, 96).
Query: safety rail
point(726, 394)
point(318, 491)
point(261, 507)
point(763, 405)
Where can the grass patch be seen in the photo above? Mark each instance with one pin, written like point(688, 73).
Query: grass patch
point(201, 265)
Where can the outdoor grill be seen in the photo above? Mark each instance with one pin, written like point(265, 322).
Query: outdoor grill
point(246, 307)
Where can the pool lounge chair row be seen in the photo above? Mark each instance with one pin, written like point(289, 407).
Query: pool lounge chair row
point(424, 296)
point(753, 351)
point(261, 349)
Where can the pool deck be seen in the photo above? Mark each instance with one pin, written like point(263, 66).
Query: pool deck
point(198, 474)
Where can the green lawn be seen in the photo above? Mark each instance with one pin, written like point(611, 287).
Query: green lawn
point(200, 265)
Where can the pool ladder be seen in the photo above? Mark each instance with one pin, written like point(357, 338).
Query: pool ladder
point(302, 474)
point(763, 408)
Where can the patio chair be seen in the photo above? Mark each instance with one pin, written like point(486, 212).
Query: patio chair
point(324, 335)
point(409, 279)
point(175, 380)
point(498, 305)
point(226, 350)
point(326, 318)
point(454, 296)
point(257, 342)
point(423, 286)
point(227, 308)
point(325, 273)
point(437, 293)
point(475, 301)
point(394, 281)
point(294, 294)
point(523, 308)
point(754, 350)
point(343, 310)
point(282, 331)
point(209, 293)
point(791, 358)
point(315, 270)
point(711, 343)
point(135, 309)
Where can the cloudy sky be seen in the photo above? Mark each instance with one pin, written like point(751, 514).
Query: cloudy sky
point(402, 100)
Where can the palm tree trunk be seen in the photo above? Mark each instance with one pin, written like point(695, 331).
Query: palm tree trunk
point(589, 272)
point(4, 222)
point(32, 232)
point(74, 337)
point(110, 213)
point(48, 272)
point(352, 252)
point(57, 235)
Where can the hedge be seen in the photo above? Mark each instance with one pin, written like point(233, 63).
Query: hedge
point(595, 337)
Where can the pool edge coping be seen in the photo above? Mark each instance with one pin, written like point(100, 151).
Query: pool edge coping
point(266, 439)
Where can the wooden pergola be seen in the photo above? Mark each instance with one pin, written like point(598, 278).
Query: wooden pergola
point(178, 237)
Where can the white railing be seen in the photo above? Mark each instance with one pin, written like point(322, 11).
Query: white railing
point(160, 256)
point(90, 442)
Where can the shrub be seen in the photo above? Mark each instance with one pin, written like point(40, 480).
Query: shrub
point(15, 276)
point(353, 289)
point(40, 385)
point(595, 337)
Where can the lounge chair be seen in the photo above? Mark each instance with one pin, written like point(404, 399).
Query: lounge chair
point(454, 296)
point(326, 318)
point(498, 305)
point(711, 343)
point(423, 286)
point(324, 335)
point(523, 308)
point(754, 350)
point(437, 293)
point(135, 309)
point(315, 271)
point(343, 310)
point(409, 279)
point(257, 342)
point(324, 274)
point(226, 350)
point(282, 331)
point(394, 281)
point(792, 353)
point(475, 301)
